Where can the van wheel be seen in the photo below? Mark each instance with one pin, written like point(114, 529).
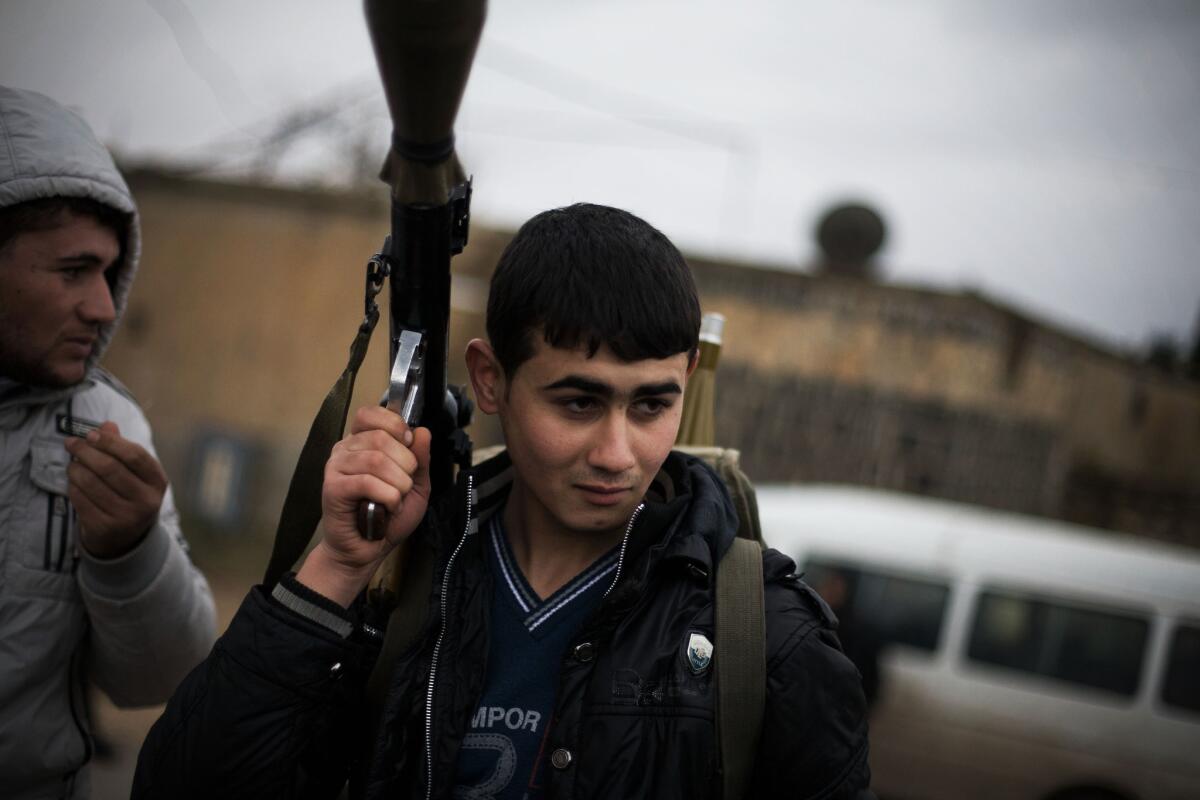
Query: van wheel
point(1088, 793)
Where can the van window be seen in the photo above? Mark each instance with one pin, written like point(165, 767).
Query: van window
point(1099, 649)
point(1181, 686)
point(898, 609)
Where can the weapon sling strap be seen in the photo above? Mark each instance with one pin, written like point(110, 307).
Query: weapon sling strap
point(741, 663)
point(302, 508)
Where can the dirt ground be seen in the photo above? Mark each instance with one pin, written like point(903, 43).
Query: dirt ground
point(231, 571)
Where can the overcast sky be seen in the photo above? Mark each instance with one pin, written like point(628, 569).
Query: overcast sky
point(1042, 151)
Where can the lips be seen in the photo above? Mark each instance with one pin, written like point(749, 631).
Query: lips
point(80, 345)
point(601, 495)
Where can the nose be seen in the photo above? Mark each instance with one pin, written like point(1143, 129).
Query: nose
point(97, 307)
point(612, 450)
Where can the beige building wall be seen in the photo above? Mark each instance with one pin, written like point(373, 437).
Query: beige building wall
point(856, 346)
point(248, 299)
point(923, 385)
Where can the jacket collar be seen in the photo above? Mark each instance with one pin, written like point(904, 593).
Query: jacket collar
point(18, 399)
point(688, 516)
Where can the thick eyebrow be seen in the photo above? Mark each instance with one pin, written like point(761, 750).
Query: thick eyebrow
point(81, 258)
point(581, 384)
point(651, 389)
point(589, 386)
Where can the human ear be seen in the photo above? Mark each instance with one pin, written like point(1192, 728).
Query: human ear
point(487, 377)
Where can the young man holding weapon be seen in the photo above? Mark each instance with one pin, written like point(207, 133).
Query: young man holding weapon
point(559, 655)
point(554, 630)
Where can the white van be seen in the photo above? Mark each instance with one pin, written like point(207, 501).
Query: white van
point(1025, 659)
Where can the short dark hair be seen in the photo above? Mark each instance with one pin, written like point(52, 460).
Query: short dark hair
point(589, 275)
point(46, 212)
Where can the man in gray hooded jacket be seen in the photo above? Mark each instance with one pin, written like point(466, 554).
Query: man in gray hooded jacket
point(95, 581)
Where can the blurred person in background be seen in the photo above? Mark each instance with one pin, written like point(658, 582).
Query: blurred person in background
point(96, 582)
point(860, 640)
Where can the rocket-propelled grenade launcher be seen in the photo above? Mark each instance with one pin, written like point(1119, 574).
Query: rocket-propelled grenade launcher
point(424, 49)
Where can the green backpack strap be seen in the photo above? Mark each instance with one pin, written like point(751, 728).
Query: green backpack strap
point(741, 660)
point(302, 508)
point(741, 663)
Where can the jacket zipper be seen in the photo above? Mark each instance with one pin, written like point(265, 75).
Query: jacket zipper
point(437, 646)
point(624, 543)
point(67, 507)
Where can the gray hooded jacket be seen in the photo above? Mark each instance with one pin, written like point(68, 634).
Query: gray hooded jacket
point(135, 625)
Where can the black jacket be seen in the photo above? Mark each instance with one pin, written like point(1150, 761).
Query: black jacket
point(278, 709)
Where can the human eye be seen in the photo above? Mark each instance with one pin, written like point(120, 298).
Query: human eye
point(652, 406)
point(71, 274)
point(578, 405)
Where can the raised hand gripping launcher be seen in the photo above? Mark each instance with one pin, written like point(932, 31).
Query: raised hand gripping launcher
point(404, 395)
point(424, 49)
point(416, 261)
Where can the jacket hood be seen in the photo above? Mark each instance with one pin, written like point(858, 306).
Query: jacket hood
point(688, 514)
point(49, 151)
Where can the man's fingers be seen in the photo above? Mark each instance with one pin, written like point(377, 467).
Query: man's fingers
point(132, 455)
point(91, 516)
point(88, 481)
point(354, 489)
point(422, 443)
point(370, 418)
point(92, 498)
point(100, 524)
point(382, 461)
point(412, 509)
point(382, 442)
point(95, 463)
point(374, 463)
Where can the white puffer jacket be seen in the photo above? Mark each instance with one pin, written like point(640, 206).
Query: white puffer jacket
point(134, 625)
